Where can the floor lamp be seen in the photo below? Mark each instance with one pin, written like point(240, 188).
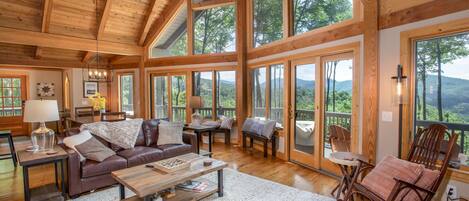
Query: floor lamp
point(399, 85)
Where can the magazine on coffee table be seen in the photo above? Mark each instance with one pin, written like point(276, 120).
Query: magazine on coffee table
point(193, 186)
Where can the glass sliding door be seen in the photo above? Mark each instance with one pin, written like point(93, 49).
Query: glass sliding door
point(276, 93)
point(226, 93)
point(203, 87)
point(259, 76)
point(303, 138)
point(160, 97)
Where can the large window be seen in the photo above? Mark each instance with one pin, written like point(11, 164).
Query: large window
point(442, 83)
point(312, 14)
point(214, 30)
point(173, 41)
point(267, 85)
point(169, 97)
point(224, 84)
point(126, 93)
point(267, 21)
point(10, 97)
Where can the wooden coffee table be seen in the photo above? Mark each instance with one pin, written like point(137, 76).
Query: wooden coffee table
point(146, 182)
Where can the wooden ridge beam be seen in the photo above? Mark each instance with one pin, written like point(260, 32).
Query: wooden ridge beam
point(89, 56)
point(211, 4)
point(103, 20)
point(421, 12)
point(168, 13)
point(306, 40)
point(191, 59)
point(146, 22)
point(22, 37)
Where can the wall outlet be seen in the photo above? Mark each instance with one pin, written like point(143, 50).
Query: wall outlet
point(451, 192)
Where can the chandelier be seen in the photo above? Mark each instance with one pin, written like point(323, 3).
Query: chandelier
point(97, 73)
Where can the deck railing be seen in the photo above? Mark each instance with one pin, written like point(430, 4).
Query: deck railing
point(179, 112)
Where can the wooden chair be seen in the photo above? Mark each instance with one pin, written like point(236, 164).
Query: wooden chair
point(425, 150)
point(113, 116)
point(264, 140)
point(63, 123)
point(84, 111)
point(339, 138)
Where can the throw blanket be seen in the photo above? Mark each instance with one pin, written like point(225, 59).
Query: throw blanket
point(121, 133)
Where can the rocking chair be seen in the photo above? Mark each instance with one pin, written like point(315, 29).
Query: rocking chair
point(425, 150)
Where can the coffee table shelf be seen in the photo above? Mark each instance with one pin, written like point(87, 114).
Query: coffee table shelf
point(182, 195)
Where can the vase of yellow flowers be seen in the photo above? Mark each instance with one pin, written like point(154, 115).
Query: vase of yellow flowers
point(98, 102)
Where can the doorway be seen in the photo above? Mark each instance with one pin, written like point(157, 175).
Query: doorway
point(12, 96)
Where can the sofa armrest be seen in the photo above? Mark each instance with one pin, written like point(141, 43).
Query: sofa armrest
point(73, 171)
point(190, 138)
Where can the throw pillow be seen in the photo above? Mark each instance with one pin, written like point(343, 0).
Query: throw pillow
point(260, 127)
point(170, 133)
point(77, 139)
point(92, 149)
point(226, 122)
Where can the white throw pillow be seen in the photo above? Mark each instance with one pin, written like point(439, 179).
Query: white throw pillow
point(170, 133)
point(77, 139)
point(226, 122)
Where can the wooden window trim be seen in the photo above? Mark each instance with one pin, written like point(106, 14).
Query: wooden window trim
point(119, 104)
point(407, 43)
point(169, 76)
point(288, 21)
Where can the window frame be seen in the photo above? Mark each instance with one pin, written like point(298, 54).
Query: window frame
point(119, 90)
point(169, 76)
point(408, 41)
point(214, 88)
point(267, 65)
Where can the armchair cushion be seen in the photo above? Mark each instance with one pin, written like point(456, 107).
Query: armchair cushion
point(426, 181)
point(381, 179)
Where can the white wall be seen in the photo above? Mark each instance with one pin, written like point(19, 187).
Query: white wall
point(387, 139)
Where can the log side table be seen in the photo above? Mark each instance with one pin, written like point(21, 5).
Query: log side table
point(348, 163)
point(29, 159)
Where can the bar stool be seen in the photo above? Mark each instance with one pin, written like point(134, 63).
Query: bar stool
point(12, 154)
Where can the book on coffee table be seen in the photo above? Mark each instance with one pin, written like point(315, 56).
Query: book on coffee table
point(194, 186)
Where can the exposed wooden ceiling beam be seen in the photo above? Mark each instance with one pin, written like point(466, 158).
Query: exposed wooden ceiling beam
point(192, 59)
point(22, 37)
point(31, 62)
point(146, 22)
point(103, 20)
point(116, 59)
point(38, 53)
point(89, 56)
point(211, 4)
point(46, 13)
point(168, 13)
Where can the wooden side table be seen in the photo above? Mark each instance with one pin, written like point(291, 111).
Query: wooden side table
point(30, 159)
point(199, 130)
point(12, 154)
point(348, 163)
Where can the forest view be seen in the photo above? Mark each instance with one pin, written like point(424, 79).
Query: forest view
point(442, 67)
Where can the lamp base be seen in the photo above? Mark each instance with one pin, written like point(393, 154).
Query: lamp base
point(43, 139)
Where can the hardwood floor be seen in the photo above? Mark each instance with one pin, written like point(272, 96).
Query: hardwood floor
point(249, 162)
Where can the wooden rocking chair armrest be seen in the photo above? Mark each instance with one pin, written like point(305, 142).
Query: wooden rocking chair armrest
point(401, 185)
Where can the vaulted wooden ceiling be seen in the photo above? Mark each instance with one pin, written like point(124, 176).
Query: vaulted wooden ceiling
point(67, 30)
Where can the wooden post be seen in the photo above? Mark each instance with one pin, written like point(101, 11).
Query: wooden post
point(241, 69)
point(371, 73)
point(190, 28)
point(142, 99)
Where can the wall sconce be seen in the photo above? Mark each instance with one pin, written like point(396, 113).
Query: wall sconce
point(399, 87)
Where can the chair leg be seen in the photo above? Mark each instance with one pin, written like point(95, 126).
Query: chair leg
point(251, 142)
point(274, 149)
point(265, 149)
point(12, 150)
point(244, 141)
point(227, 137)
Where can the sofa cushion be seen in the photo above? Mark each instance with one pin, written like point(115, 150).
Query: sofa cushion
point(172, 150)
point(140, 138)
point(93, 168)
point(141, 155)
point(170, 133)
point(150, 130)
point(92, 149)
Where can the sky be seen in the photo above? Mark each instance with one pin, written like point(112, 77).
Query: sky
point(343, 72)
point(458, 69)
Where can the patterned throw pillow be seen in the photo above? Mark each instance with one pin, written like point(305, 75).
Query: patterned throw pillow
point(264, 128)
point(94, 150)
point(226, 122)
point(170, 133)
point(74, 140)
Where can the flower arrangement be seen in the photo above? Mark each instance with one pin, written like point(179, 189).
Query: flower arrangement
point(97, 101)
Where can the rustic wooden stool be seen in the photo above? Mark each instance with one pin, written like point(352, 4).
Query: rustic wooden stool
point(12, 154)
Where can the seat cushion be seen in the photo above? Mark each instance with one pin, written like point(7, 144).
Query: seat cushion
point(172, 150)
point(93, 168)
point(141, 155)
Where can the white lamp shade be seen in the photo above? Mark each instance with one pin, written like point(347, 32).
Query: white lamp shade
point(41, 111)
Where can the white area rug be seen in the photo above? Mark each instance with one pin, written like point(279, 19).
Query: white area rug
point(237, 187)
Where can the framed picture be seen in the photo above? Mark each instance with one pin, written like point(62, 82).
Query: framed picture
point(90, 88)
point(45, 89)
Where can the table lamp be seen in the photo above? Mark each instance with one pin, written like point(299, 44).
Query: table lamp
point(41, 111)
point(196, 103)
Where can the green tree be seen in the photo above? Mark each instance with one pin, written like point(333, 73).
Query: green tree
point(214, 30)
point(268, 21)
